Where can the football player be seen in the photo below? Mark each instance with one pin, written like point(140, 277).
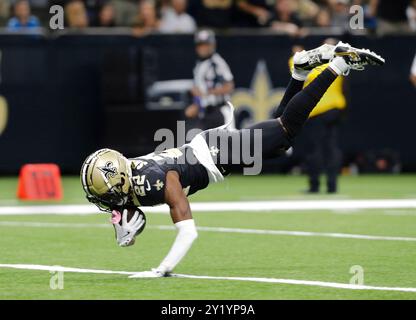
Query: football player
point(120, 186)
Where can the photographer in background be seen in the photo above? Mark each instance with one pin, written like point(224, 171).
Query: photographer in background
point(213, 83)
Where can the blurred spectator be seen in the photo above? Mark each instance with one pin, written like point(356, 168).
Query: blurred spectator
point(147, 20)
point(93, 8)
point(253, 13)
point(340, 15)
point(162, 5)
point(4, 11)
point(413, 72)
point(125, 12)
point(289, 16)
point(411, 15)
point(212, 13)
point(391, 15)
point(323, 19)
point(175, 19)
point(106, 16)
point(22, 17)
point(307, 10)
point(285, 19)
point(76, 15)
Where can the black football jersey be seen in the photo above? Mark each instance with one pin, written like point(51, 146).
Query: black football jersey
point(149, 174)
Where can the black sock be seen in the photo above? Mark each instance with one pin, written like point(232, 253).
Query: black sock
point(293, 88)
point(301, 105)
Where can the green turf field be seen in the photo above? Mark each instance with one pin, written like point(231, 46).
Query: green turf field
point(85, 242)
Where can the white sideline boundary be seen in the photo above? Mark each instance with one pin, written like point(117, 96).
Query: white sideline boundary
point(30, 224)
point(186, 276)
point(240, 206)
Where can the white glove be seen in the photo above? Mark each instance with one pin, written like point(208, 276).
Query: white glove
point(154, 273)
point(126, 232)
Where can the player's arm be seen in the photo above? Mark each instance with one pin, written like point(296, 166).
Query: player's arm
point(180, 212)
point(192, 110)
point(175, 198)
point(196, 92)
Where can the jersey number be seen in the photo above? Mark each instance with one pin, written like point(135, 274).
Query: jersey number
point(139, 187)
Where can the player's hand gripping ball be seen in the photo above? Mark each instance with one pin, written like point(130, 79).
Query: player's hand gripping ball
point(128, 224)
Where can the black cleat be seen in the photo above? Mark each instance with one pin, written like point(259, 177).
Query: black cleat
point(357, 59)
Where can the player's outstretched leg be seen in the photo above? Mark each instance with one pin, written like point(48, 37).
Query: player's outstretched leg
point(300, 106)
point(277, 135)
point(303, 63)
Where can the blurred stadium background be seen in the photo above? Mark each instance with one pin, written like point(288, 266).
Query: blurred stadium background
point(121, 69)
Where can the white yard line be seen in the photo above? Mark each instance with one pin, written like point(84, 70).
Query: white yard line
point(241, 206)
point(302, 233)
point(399, 212)
point(213, 229)
point(250, 279)
point(49, 209)
point(60, 268)
point(33, 224)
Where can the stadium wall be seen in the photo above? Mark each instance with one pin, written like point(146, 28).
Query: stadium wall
point(70, 95)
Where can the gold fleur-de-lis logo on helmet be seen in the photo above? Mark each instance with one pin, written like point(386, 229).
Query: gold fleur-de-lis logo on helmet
point(108, 170)
point(261, 98)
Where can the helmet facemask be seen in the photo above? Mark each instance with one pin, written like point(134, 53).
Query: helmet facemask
point(110, 200)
